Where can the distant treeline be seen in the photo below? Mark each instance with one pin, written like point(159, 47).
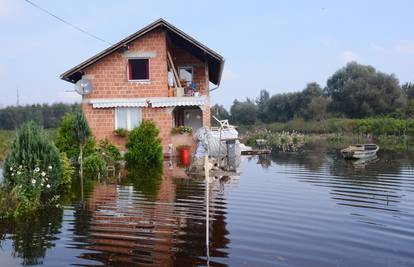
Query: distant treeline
point(47, 115)
point(354, 91)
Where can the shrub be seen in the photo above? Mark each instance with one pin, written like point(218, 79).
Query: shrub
point(110, 153)
point(66, 143)
point(30, 151)
point(93, 166)
point(67, 172)
point(144, 146)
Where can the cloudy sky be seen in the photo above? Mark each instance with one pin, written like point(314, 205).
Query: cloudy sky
point(274, 45)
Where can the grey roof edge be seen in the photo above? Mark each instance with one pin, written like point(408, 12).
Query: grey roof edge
point(132, 37)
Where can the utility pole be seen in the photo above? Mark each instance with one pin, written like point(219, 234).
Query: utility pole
point(17, 97)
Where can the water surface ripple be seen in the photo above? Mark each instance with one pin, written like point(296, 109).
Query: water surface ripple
point(285, 210)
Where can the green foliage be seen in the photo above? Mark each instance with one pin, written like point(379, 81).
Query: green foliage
point(80, 130)
point(110, 153)
point(144, 146)
point(121, 132)
point(65, 140)
point(182, 130)
point(219, 112)
point(32, 150)
point(32, 189)
point(67, 173)
point(146, 180)
point(49, 116)
point(244, 112)
point(6, 139)
point(93, 166)
point(408, 89)
point(359, 91)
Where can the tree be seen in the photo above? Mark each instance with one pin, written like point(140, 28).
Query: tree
point(219, 112)
point(408, 89)
point(261, 103)
point(244, 112)
point(80, 135)
point(359, 91)
point(65, 139)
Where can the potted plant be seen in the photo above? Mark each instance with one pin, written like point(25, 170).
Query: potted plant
point(182, 130)
point(121, 132)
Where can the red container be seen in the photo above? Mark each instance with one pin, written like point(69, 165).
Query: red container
point(185, 156)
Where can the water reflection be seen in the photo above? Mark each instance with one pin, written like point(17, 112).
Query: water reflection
point(288, 209)
point(32, 236)
point(374, 184)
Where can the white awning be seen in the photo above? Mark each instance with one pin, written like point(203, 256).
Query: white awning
point(155, 102)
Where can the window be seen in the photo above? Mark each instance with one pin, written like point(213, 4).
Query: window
point(138, 69)
point(127, 118)
point(186, 73)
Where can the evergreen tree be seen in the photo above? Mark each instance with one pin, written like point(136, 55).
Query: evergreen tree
point(80, 134)
point(32, 149)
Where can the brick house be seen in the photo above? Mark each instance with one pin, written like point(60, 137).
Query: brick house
point(158, 73)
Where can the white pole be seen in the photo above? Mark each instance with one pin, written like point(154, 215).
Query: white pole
point(207, 175)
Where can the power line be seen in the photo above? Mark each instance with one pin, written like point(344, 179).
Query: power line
point(67, 23)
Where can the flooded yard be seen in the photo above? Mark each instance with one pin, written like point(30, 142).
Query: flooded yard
point(298, 209)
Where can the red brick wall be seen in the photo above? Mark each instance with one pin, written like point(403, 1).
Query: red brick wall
point(183, 58)
point(110, 80)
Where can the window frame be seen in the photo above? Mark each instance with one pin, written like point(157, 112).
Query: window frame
point(128, 118)
point(129, 70)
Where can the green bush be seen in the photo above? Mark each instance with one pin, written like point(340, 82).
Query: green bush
point(67, 173)
point(66, 142)
point(94, 165)
point(32, 152)
point(144, 146)
point(110, 153)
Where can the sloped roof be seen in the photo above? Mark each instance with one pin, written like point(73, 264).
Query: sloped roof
point(215, 61)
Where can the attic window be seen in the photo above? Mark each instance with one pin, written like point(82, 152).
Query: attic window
point(138, 69)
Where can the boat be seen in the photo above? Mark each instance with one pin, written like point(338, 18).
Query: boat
point(360, 151)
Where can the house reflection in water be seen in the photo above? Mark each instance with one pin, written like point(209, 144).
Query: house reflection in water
point(129, 227)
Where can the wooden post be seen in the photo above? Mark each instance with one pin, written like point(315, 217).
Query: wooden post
point(81, 169)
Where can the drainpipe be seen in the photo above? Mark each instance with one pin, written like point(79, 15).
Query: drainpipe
point(215, 88)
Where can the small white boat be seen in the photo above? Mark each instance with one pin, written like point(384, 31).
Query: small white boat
point(360, 151)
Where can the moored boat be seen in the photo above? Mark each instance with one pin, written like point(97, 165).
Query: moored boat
point(360, 151)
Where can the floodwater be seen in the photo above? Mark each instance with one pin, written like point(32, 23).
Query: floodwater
point(305, 209)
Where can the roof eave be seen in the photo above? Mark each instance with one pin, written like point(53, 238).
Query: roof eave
point(160, 22)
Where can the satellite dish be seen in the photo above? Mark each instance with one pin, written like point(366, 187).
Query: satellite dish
point(83, 86)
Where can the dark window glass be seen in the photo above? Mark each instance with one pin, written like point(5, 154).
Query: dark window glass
point(138, 69)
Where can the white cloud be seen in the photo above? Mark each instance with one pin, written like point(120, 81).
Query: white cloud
point(229, 75)
point(348, 56)
point(405, 48)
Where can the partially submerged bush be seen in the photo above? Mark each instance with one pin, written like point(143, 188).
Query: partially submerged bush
point(33, 173)
point(144, 146)
point(94, 166)
point(32, 150)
